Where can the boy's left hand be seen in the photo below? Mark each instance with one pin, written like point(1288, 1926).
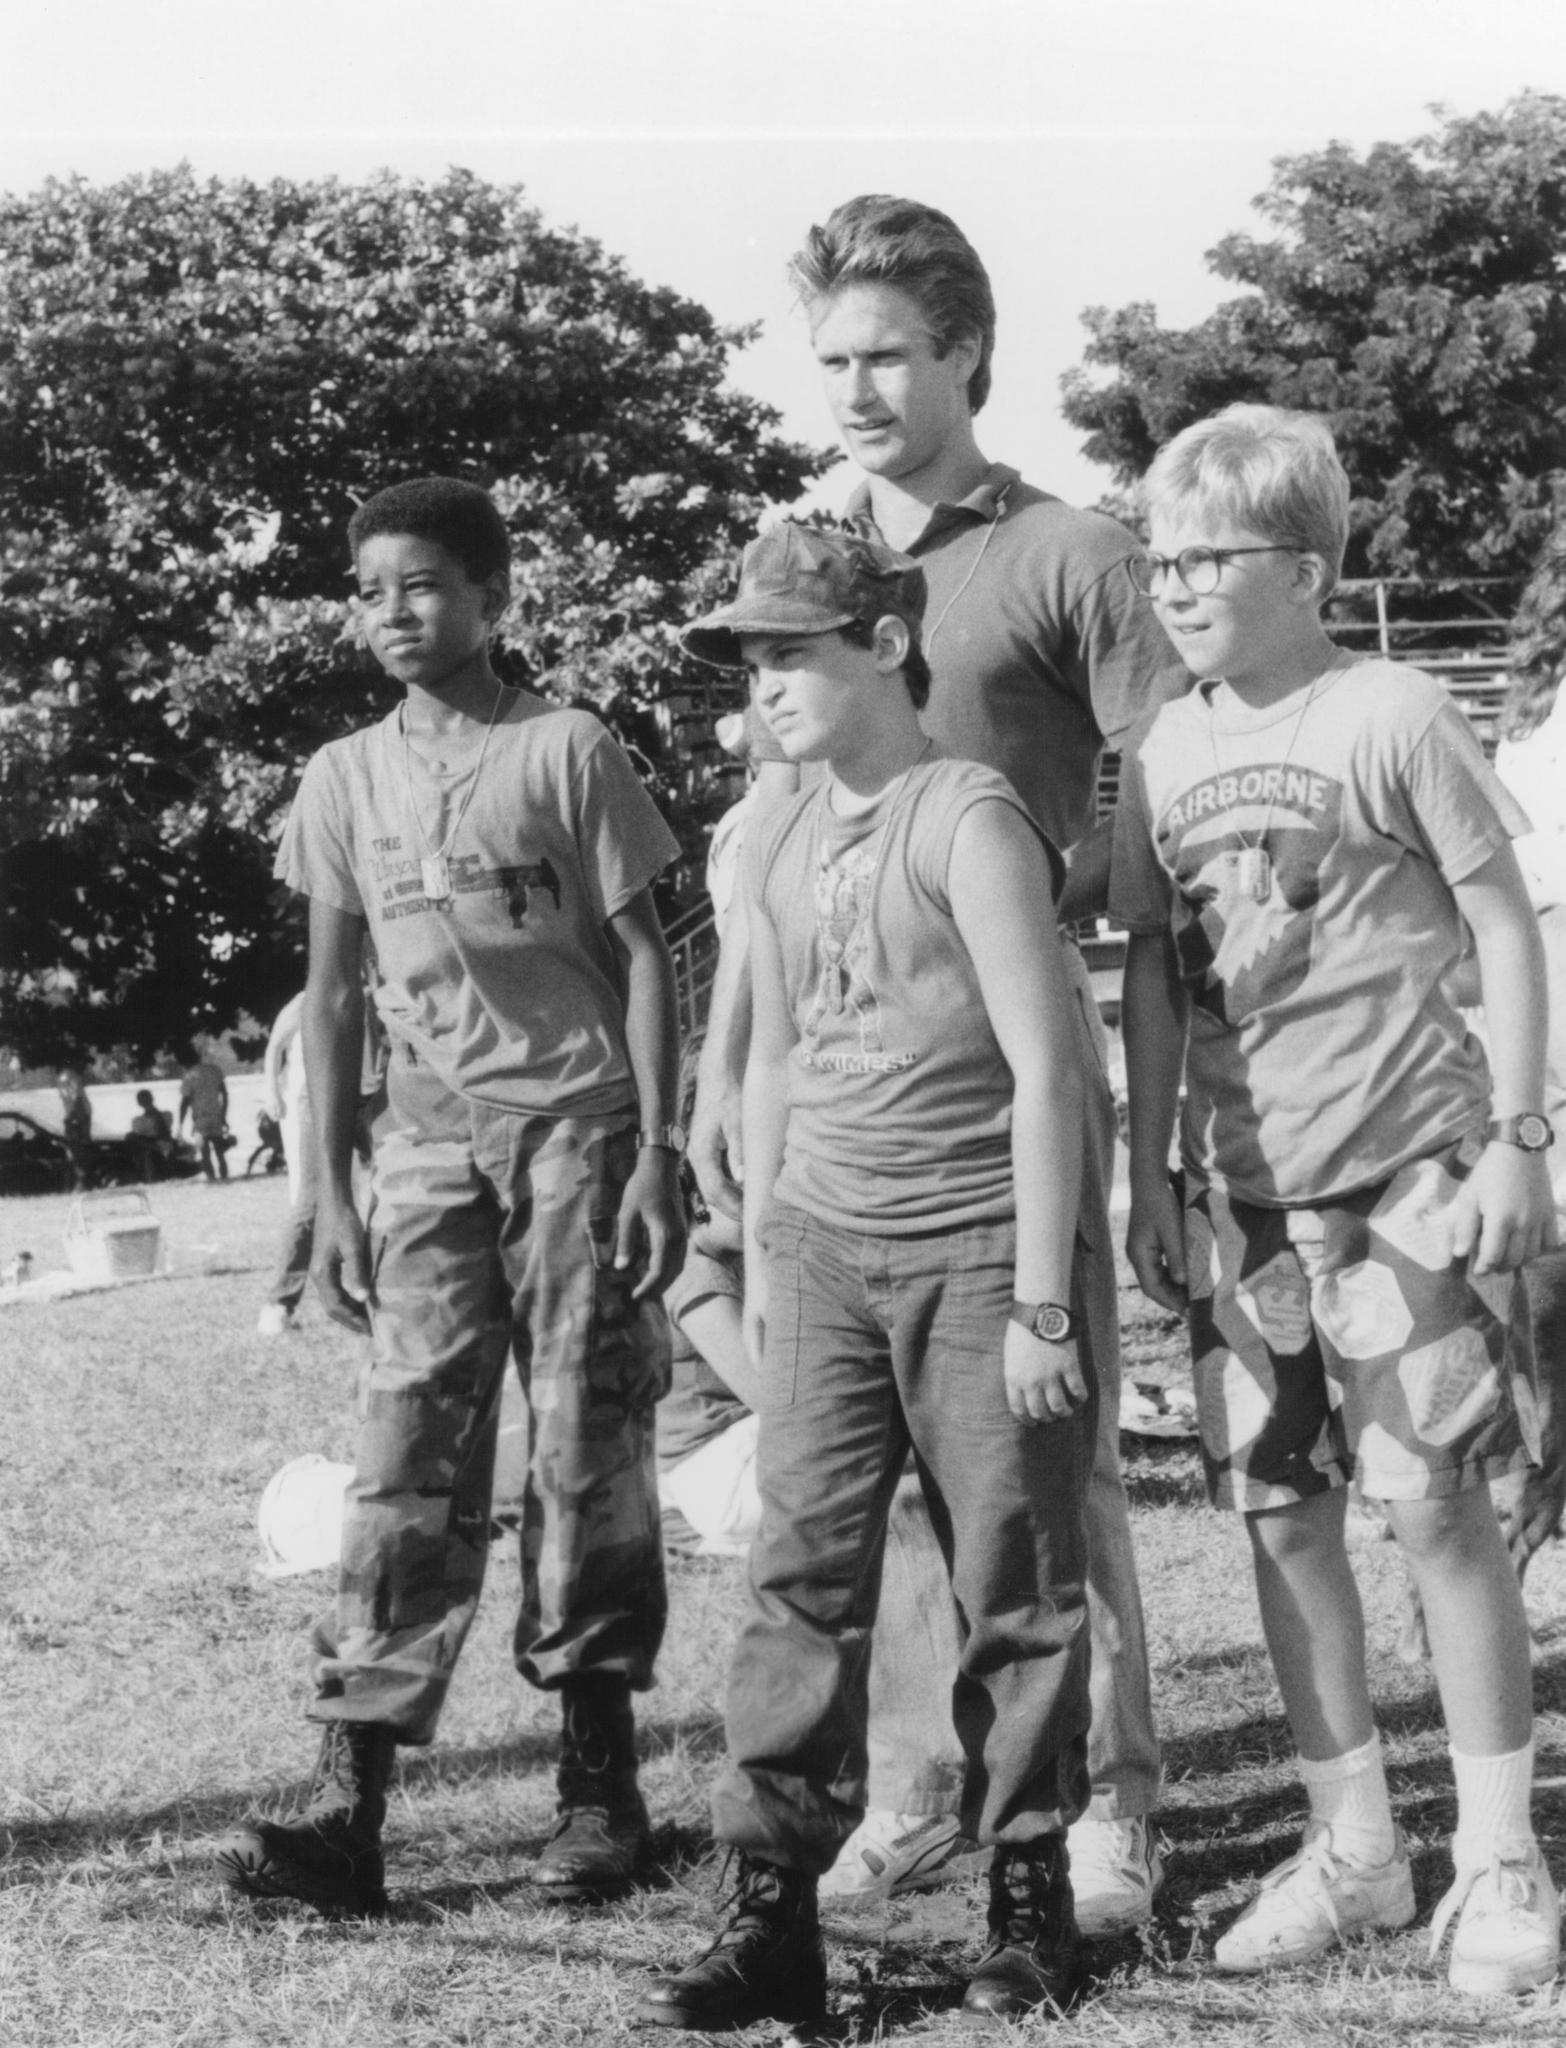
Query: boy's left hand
point(1044, 1382)
point(1506, 1208)
point(651, 1212)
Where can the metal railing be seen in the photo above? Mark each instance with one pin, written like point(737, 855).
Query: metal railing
point(1461, 634)
point(693, 940)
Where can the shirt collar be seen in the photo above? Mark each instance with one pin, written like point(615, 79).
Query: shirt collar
point(984, 501)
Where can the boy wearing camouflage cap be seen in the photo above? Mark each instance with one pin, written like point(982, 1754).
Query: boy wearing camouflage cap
point(499, 851)
point(912, 1142)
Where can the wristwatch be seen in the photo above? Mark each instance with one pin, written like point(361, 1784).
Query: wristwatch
point(1529, 1133)
point(661, 1138)
point(1047, 1320)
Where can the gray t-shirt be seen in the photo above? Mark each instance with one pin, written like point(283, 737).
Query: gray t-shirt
point(1324, 1052)
point(899, 1095)
point(509, 989)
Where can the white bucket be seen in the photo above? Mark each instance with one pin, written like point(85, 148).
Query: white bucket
point(113, 1236)
point(300, 1519)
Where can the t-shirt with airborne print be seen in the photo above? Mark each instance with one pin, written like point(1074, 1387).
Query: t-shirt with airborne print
point(1305, 855)
point(509, 988)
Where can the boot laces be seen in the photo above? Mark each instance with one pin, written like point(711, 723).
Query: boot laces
point(1024, 1897)
point(586, 1739)
point(752, 1901)
point(332, 1781)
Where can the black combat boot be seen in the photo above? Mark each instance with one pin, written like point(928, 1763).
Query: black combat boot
point(767, 1964)
point(330, 1856)
point(601, 1832)
point(1031, 1960)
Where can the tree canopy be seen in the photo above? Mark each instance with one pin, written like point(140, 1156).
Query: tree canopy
point(198, 381)
point(1416, 294)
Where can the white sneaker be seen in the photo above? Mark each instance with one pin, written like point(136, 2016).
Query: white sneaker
point(1314, 1900)
point(889, 1853)
point(1508, 1926)
point(274, 1320)
point(1115, 1870)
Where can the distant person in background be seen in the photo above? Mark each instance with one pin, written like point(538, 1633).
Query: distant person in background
point(203, 1097)
point(268, 1146)
point(76, 1121)
point(152, 1129)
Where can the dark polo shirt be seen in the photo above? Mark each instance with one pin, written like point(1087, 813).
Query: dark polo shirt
point(1040, 651)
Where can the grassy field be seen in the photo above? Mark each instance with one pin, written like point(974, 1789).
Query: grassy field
point(153, 1685)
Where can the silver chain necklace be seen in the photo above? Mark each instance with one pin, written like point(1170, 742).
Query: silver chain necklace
point(435, 863)
point(1253, 864)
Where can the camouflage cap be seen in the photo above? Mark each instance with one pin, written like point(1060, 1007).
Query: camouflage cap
point(809, 579)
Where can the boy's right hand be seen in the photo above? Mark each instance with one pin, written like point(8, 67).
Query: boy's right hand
point(1155, 1245)
point(340, 1266)
point(713, 1151)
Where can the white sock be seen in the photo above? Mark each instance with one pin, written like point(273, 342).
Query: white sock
point(1348, 1794)
point(1494, 1794)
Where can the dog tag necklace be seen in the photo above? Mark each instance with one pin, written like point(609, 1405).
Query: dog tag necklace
point(1252, 865)
point(435, 863)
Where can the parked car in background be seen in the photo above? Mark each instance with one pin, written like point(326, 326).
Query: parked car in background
point(36, 1161)
point(33, 1161)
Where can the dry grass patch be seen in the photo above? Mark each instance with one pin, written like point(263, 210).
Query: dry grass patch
point(153, 1687)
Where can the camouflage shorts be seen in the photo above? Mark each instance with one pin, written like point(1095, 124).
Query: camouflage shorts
point(492, 1235)
point(1346, 1342)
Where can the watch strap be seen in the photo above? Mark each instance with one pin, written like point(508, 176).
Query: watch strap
point(1529, 1132)
point(661, 1138)
point(1050, 1321)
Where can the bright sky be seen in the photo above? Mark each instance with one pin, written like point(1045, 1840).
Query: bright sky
point(1092, 151)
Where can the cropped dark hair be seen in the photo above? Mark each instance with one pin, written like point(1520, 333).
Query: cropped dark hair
point(456, 516)
point(876, 239)
point(916, 670)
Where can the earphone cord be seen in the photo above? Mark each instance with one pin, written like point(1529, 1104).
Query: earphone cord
point(973, 569)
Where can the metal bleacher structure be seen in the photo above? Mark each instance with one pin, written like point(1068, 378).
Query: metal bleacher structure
point(687, 719)
point(1455, 630)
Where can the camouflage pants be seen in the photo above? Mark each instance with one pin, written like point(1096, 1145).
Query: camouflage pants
point(493, 1233)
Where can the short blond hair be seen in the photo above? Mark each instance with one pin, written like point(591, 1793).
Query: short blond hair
point(1276, 472)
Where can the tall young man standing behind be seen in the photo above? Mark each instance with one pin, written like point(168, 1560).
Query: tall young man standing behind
point(1039, 657)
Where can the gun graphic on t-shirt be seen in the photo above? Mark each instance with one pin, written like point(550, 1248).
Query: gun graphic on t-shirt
point(519, 884)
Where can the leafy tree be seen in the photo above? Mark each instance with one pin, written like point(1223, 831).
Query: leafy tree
point(197, 382)
point(1418, 296)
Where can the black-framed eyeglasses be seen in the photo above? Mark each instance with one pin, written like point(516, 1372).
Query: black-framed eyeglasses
point(1197, 568)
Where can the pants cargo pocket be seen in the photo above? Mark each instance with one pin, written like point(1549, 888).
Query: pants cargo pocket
point(628, 1341)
